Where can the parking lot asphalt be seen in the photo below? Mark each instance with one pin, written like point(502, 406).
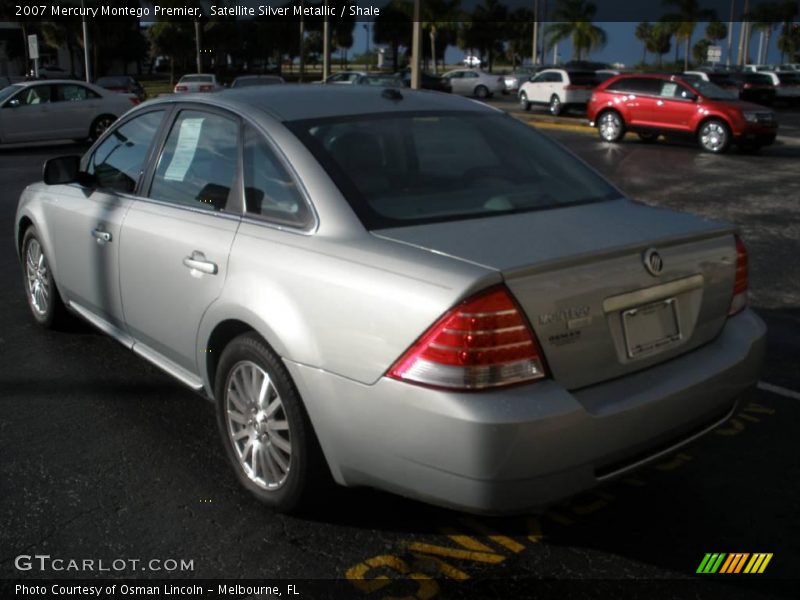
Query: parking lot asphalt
point(102, 456)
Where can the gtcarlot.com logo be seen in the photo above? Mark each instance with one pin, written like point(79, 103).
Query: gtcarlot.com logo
point(45, 562)
point(733, 563)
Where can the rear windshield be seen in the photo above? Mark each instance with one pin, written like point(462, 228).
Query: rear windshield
point(720, 78)
point(197, 78)
point(583, 78)
point(788, 78)
point(409, 168)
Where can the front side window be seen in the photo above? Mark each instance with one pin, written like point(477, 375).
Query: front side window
point(403, 169)
point(117, 163)
point(35, 94)
point(197, 166)
point(269, 190)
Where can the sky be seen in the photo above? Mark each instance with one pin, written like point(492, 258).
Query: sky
point(622, 46)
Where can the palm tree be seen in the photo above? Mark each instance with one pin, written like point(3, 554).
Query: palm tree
point(659, 41)
point(575, 23)
point(440, 15)
point(689, 13)
point(644, 32)
point(393, 26)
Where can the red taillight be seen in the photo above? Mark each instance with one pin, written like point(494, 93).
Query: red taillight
point(181, 88)
point(483, 342)
point(206, 88)
point(747, 86)
point(739, 301)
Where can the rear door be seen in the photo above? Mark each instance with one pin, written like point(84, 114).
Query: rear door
point(76, 107)
point(175, 241)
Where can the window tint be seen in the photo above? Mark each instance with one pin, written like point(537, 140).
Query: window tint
point(637, 85)
point(671, 89)
point(269, 190)
point(118, 161)
point(197, 166)
point(73, 93)
point(556, 77)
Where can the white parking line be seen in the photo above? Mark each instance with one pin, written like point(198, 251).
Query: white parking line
point(776, 389)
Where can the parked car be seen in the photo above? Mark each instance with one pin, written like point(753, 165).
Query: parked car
point(754, 87)
point(719, 78)
point(427, 81)
point(381, 79)
point(753, 68)
point(789, 67)
point(652, 104)
point(558, 89)
point(473, 62)
point(197, 82)
point(51, 72)
point(602, 74)
point(124, 84)
point(516, 78)
point(344, 77)
point(470, 82)
point(407, 291)
point(255, 80)
point(787, 85)
point(35, 111)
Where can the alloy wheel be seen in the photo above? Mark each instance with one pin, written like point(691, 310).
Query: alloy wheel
point(37, 272)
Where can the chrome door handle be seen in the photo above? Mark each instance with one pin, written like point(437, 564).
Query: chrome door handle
point(102, 236)
point(198, 262)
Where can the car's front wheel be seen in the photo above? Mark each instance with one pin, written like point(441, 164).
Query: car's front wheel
point(40, 287)
point(714, 136)
point(610, 126)
point(265, 430)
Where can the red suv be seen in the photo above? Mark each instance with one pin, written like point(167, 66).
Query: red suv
point(651, 104)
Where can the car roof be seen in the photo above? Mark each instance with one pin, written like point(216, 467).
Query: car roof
point(293, 102)
point(52, 81)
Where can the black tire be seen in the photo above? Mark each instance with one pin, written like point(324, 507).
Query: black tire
point(482, 92)
point(648, 137)
point(99, 125)
point(714, 136)
point(555, 107)
point(523, 101)
point(44, 301)
point(306, 471)
point(610, 126)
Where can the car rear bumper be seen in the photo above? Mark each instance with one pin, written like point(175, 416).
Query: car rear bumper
point(523, 447)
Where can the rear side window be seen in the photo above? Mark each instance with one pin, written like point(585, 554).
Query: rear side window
point(197, 166)
point(119, 160)
point(583, 78)
point(73, 93)
point(637, 85)
point(269, 191)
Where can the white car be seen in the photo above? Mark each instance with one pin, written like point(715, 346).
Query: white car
point(471, 82)
point(558, 89)
point(198, 82)
point(471, 61)
point(787, 84)
point(753, 68)
point(790, 67)
point(57, 109)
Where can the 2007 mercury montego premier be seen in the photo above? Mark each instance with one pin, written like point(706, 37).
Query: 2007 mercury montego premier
point(405, 290)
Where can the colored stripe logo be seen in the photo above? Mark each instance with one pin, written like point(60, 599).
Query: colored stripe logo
point(736, 562)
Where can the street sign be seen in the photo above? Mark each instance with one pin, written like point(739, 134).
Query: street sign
point(33, 46)
point(714, 54)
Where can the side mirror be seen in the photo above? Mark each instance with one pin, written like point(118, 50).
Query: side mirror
point(61, 170)
point(13, 103)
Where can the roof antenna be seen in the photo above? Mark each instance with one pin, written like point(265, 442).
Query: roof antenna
point(391, 94)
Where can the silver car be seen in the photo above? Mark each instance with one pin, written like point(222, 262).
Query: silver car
point(471, 82)
point(398, 289)
point(37, 111)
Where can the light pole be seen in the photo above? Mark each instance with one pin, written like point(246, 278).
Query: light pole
point(198, 58)
point(87, 70)
point(416, 46)
point(326, 45)
point(366, 54)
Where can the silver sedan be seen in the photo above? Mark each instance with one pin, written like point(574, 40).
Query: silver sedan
point(471, 82)
point(396, 289)
point(37, 111)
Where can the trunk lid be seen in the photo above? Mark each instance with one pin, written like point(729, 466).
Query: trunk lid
point(579, 274)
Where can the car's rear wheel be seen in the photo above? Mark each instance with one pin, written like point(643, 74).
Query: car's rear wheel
point(648, 136)
point(610, 126)
point(482, 92)
point(523, 101)
point(264, 427)
point(714, 136)
point(40, 287)
point(555, 105)
point(99, 125)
